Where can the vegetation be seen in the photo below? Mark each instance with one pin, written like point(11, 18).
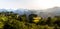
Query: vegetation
point(10, 20)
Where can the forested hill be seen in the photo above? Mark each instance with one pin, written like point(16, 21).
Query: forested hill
point(12, 20)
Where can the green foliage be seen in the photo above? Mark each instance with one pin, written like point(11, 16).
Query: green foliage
point(24, 17)
point(10, 20)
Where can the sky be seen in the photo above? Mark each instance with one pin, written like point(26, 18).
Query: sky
point(29, 4)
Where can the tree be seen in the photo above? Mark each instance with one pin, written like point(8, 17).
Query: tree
point(49, 22)
point(23, 17)
point(31, 17)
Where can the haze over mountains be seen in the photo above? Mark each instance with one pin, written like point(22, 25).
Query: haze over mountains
point(53, 11)
point(43, 13)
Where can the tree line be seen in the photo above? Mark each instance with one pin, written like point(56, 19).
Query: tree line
point(10, 20)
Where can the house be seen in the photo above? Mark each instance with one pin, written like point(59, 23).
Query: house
point(36, 19)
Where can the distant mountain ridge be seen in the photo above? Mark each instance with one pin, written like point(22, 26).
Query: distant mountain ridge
point(43, 13)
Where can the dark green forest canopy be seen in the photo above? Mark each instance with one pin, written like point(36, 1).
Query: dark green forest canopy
point(10, 20)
